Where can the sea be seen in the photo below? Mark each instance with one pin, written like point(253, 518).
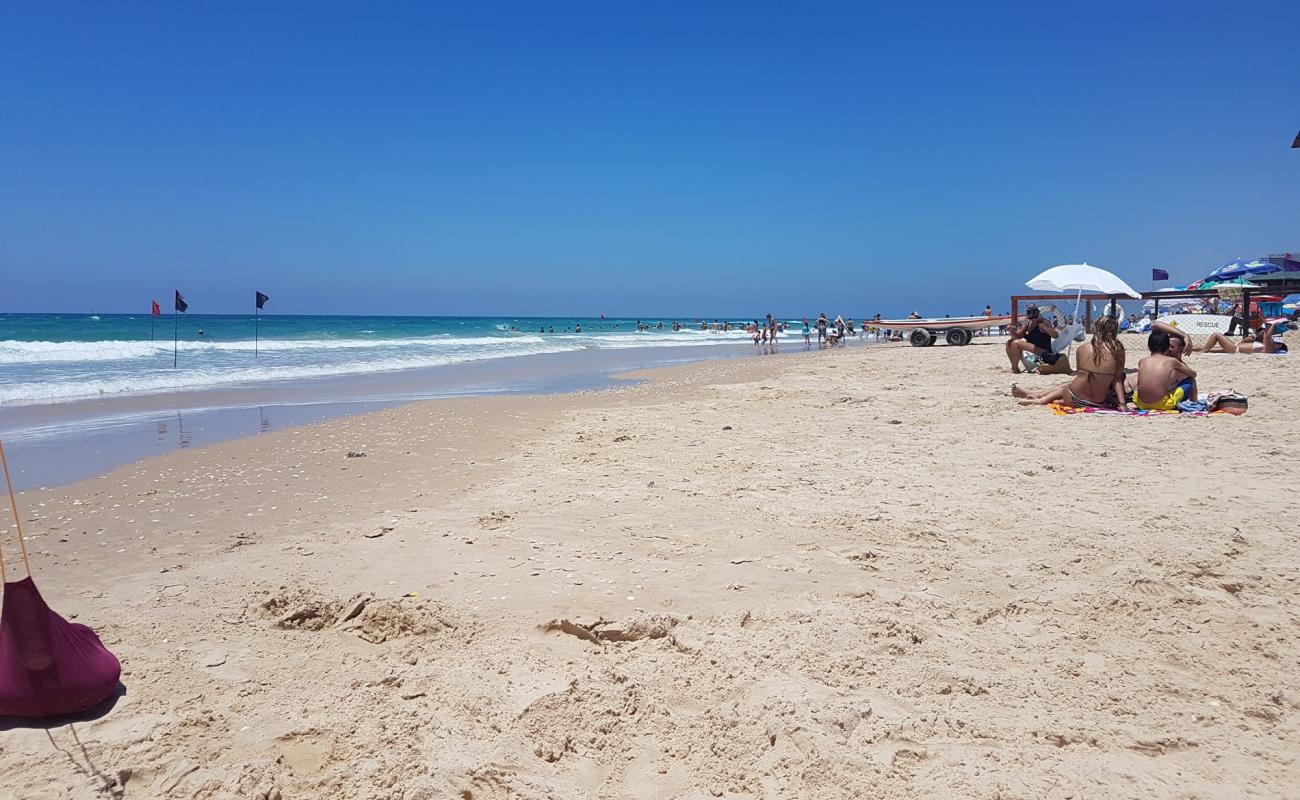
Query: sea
point(46, 358)
point(81, 394)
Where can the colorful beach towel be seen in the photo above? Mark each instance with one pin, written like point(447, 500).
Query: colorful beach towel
point(1063, 410)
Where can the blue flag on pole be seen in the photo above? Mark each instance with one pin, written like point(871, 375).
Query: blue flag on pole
point(1159, 275)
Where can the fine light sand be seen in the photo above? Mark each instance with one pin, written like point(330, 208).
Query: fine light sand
point(864, 573)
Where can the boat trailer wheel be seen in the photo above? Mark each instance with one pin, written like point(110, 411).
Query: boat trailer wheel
point(921, 338)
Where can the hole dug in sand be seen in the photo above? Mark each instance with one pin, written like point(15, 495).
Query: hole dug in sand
point(646, 626)
point(374, 620)
point(496, 519)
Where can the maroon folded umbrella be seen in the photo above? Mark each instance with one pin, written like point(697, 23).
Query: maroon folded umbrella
point(48, 666)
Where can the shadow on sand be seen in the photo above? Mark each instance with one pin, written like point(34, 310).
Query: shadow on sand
point(91, 714)
point(84, 765)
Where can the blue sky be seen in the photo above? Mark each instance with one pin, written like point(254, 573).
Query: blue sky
point(632, 158)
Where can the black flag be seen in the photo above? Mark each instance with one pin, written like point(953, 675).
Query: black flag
point(1296, 143)
point(261, 299)
point(181, 305)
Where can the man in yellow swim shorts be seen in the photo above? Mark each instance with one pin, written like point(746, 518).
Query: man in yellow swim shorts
point(1162, 380)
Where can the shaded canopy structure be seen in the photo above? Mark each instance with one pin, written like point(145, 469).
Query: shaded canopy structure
point(48, 666)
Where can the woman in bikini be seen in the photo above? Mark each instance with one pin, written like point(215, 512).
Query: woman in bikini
point(1099, 378)
point(1261, 342)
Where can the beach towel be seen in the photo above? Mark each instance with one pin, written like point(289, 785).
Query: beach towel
point(1063, 410)
point(49, 666)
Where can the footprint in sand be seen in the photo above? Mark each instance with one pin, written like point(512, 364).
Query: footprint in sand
point(488, 785)
point(1150, 588)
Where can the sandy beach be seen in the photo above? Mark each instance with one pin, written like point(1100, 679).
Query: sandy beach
point(866, 573)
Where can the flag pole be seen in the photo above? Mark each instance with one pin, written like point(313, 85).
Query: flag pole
point(176, 327)
point(257, 324)
point(153, 319)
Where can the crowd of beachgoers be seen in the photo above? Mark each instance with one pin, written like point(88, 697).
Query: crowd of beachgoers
point(1163, 380)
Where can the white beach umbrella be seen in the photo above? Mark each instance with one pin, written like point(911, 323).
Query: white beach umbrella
point(1080, 278)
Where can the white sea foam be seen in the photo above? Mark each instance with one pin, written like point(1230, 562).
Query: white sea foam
point(15, 352)
point(44, 372)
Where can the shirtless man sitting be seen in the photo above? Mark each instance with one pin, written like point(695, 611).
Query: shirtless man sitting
point(1162, 380)
point(1180, 342)
point(1180, 346)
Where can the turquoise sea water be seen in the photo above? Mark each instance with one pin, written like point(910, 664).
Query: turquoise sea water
point(48, 358)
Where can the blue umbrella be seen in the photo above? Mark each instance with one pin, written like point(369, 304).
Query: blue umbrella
point(1241, 268)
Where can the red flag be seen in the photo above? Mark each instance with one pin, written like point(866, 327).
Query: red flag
point(156, 309)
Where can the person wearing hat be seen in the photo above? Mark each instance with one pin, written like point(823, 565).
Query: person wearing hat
point(1033, 337)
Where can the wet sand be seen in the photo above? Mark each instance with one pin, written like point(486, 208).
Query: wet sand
point(58, 443)
point(862, 574)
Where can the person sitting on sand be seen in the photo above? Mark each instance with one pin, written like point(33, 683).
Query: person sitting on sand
point(1162, 380)
point(1034, 336)
point(1180, 346)
point(1261, 342)
point(1099, 382)
point(1180, 342)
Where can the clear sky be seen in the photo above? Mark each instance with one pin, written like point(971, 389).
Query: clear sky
point(639, 158)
